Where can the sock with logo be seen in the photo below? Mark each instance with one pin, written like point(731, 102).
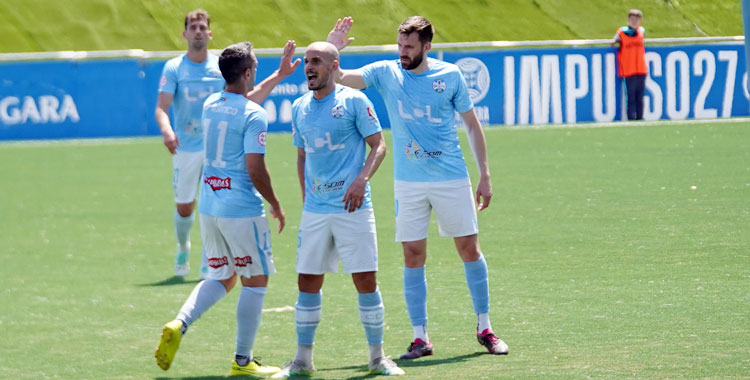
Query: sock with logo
point(372, 315)
point(307, 316)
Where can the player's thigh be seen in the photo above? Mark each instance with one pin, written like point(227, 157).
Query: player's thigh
point(412, 210)
point(186, 174)
point(454, 206)
point(356, 240)
point(316, 253)
point(249, 244)
point(220, 266)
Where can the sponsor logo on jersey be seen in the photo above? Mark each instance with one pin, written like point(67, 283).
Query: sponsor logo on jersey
point(320, 187)
point(243, 261)
point(262, 138)
point(371, 115)
point(337, 112)
point(217, 183)
point(439, 85)
point(193, 127)
point(413, 150)
point(218, 262)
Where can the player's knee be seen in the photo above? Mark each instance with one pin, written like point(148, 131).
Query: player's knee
point(185, 209)
point(365, 282)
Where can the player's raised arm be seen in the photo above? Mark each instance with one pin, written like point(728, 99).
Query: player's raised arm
point(338, 37)
point(286, 68)
point(479, 148)
point(256, 168)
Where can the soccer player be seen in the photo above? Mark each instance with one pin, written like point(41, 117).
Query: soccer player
point(421, 95)
point(187, 81)
point(234, 227)
point(631, 58)
point(331, 127)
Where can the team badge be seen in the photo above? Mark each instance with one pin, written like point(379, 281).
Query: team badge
point(439, 86)
point(337, 112)
point(262, 138)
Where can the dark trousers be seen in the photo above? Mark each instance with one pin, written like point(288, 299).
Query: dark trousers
point(635, 86)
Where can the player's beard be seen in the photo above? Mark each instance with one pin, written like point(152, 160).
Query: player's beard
point(199, 45)
point(413, 63)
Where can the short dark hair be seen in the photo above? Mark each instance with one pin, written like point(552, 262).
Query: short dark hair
point(636, 13)
point(420, 25)
point(234, 60)
point(197, 15)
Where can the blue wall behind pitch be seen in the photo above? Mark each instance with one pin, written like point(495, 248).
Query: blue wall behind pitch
point(116, 97)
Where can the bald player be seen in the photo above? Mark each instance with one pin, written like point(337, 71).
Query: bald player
point(331, 127)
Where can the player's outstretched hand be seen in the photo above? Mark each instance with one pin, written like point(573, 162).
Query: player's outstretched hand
point(170, 141)
point(287, 67)
point(337, 36)
point(355, 195)
point(484, 194)
point(278, 213)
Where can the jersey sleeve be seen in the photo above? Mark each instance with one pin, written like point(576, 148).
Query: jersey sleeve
point(255, 133)
point(366, 120)
point(168, 81)
point(296, 136)
point(372, 73)
point(461, 100)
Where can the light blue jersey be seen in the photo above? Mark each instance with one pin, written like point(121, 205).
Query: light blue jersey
point(233, 126)
point(332, 131)
point(421, 108)
point(190, 83)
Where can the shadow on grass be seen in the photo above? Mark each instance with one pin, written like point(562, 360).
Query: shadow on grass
point(174, 280)
point(362, 369)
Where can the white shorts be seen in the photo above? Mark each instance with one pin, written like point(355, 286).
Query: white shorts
point(453, 202)
point(237, 245)
point(324, 238)
point(186, 175)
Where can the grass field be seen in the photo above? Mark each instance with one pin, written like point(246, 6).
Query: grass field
point(36, 25)
point(604, 263)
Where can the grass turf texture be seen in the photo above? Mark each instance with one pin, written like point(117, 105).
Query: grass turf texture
point(44, 25)
point(603, 263)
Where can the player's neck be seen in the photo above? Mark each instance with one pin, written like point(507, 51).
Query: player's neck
point(236, 88)
point(424, 66)
point(323, 92)
point(197, 56)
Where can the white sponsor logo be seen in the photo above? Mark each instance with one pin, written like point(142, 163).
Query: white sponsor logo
point(41, 110)
point(477, 78)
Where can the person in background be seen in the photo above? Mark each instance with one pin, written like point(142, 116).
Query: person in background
point(631, 57)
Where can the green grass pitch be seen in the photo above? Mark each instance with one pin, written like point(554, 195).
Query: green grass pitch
point(604, 263)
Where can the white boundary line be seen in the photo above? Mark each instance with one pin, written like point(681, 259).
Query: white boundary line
point(142, 54)
point(493, 127)
point(615, 124)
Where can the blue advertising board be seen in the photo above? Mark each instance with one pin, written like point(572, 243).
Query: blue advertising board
point(117, 97)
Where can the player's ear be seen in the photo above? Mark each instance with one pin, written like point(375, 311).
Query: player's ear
point(210, 34)
point(184, 35)
point(335, 65)
point(427, 46)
